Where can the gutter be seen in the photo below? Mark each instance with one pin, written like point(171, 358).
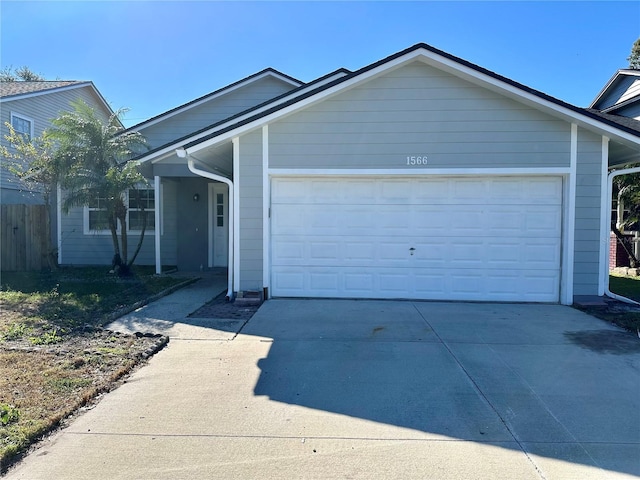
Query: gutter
point(182, 153)
point(610, 177)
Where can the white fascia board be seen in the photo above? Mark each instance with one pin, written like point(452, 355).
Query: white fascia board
point(618, 74)
point(442, 63)
point(208, 97)
point(417, 171)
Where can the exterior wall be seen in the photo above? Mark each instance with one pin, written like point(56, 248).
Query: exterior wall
point(41, 109)
point(418, 110)
point(97, 249)
point(587, 220)
point(250, 181)
point(215, 110)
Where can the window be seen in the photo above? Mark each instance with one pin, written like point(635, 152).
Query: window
point(97, 214)
point(141, 202)
point(22, 125)
point(96, 220)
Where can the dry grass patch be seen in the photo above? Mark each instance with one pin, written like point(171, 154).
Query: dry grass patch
point(54, 357)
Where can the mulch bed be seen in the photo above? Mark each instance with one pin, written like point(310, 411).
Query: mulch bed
point(220, 308)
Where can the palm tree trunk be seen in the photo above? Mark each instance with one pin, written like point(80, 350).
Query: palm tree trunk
point(139, 246)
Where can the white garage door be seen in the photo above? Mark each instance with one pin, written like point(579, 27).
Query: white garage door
point(470, 238)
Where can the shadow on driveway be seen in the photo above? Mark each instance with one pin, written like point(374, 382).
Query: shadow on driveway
point(548, 380)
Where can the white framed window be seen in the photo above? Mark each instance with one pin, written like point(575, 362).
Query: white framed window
point(96, 220)
point(22, 125)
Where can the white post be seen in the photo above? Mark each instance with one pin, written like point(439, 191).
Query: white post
point(156, 202)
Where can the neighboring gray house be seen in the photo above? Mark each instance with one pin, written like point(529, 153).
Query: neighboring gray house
point(29, 107)
point(621, 95)
point(420, 176)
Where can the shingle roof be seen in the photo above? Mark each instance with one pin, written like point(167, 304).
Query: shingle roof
point(627, 122)
point(9, 89)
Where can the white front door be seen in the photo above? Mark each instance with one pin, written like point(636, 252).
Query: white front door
point(455, 238)
point(218, 225)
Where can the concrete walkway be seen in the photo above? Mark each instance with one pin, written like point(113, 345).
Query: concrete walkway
point(364, 389)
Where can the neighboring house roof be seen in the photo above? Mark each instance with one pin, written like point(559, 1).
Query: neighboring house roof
point(10, 91)
point(304, 95)
point(209, 96)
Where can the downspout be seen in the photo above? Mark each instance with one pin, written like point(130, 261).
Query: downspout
point(610, 178)
point(182, 153)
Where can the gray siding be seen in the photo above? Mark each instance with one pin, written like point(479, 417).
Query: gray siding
point(94, 249)
point(418, 110)
point(587, 221)
point(250, 180)
point(212, 111)
point(41, 109)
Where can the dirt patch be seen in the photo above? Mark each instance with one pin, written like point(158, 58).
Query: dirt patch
point(220, 308)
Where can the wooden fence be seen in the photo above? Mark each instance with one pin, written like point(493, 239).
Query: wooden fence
point(24, 239)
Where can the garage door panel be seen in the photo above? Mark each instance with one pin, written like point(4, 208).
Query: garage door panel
point(473, 239)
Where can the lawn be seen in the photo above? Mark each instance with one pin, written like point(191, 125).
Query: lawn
point(54, 357)
point(627, 287)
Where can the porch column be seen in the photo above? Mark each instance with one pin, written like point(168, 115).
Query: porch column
point(157, 202)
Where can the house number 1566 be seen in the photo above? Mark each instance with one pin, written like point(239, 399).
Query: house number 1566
point(416, 160)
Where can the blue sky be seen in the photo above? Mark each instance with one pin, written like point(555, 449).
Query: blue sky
point(152, 56)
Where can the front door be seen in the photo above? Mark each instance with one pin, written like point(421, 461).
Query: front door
point(218, 225)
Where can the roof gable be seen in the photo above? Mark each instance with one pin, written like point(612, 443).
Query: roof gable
point(266, 73)
point(13, 91)
point(622, 88)
point(301, 98)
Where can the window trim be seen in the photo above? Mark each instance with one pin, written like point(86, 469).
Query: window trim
point(88, 231)
point(26, 119)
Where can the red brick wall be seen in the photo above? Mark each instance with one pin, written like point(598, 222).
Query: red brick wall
point(617, 255)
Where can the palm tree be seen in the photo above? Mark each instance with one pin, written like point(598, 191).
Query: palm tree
point(94, 155)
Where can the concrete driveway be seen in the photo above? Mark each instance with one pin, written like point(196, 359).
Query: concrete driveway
point(365, 389)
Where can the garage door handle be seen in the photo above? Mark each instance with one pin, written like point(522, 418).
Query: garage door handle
point(412, 250)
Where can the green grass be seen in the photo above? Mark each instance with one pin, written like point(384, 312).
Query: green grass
point(72, 297)
point(626, 286)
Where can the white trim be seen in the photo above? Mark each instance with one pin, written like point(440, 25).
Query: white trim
point(59, 220)
point(418, 171)
point(31, 121)
point(210, 209)
point(236, 214)
point(156, 234)
point(266, 209)
point(605, 214)
point(210, 96)
point(610, 178)
point(568, 244)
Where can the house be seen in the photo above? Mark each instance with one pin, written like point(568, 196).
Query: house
point(29, 107)
point(419, 176)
